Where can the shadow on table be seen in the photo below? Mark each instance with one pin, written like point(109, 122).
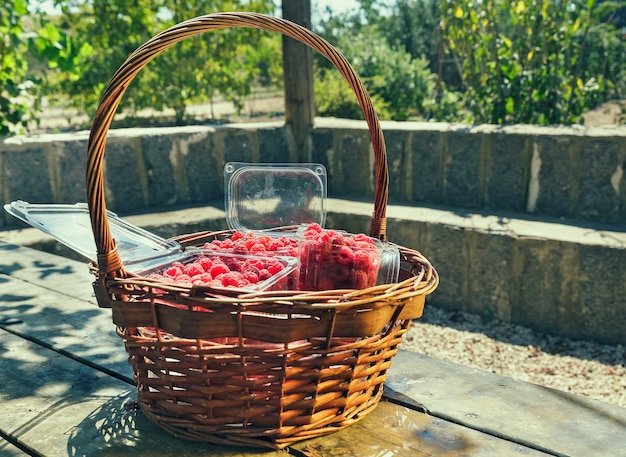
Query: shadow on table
point(118, 427)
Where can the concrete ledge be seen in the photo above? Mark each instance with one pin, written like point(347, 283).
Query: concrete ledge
point(561, 279)
point(570, 172)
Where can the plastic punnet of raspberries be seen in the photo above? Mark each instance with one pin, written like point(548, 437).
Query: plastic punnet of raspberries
point(224, 271)
point(337, 260)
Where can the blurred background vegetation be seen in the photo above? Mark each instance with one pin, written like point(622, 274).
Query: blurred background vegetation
point(479, 61)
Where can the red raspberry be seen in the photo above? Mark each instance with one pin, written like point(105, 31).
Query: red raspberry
point(240, 248)
point(326, 283)
point(193, 269)
point(365, 246)
point(205, 263)
point(337, 239)
point(183, 279)
point(337, 272)
point(218, 269)
point(274, 266)
point(258, 248)
point(314, 228)
point(345, 255)
point(362, 280)
point(234, 278)
point(237, 236)
point(172, 272)
point(365, 260)
point(289, 251)
point(275, 245)
point(256, 263)
point(213, 245)
point(251, 276)
point(264, 274)
point(231, 262)
point(203, 279)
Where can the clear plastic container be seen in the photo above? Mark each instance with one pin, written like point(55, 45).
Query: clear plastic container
point(332, 259)
point(259, 197)
point(218, 269)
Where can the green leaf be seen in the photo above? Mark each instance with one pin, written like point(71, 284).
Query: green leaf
point(20, 8)
point(510, 105)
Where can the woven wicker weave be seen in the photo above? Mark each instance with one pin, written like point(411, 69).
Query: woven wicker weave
point(259, 369)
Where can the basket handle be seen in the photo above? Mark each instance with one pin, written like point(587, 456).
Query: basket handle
point(109, 261)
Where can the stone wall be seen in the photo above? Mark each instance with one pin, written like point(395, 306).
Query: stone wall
point(525, 224)
point(569, 172)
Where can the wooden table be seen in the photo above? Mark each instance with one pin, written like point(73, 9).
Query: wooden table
point(66, 389)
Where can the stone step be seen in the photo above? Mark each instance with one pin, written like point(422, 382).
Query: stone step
point(551, 275)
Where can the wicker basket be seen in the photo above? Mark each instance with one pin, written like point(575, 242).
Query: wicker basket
point(260, 369)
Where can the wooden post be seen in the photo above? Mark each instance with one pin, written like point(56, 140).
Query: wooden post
point(298, 80)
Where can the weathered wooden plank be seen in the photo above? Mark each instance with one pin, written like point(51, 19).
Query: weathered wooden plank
point(392, 430)
point(57, 406)
point(563, 423)
point(49, 271)
point(62, 322)
point(8, 450)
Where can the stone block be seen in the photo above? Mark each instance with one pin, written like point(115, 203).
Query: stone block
point(602, 294)
point(490, 274)
point(462, 170)
point(426, 154)
point(507, 171)
point(273, 147)
point(354, 167)
point(203, 175)
point(238, 147)
point(72, 164)
point(547, 274)
point(159, 159)
point(409, 233)
point(600, 197)
point(446, 250)
point(122, 177)
point(557, 175)
point(25, 174)
point(394, 141)
point(322, 147)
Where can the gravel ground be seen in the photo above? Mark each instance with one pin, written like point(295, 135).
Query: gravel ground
point(580, 367)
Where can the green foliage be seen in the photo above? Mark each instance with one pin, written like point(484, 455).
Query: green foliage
point(414, 25)
point(12, 68)
point(20, 97)
point(224, 62)
point(400, 85)
point(334, 98)
point(521, 61)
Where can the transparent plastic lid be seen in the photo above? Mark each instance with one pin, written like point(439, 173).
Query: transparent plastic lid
point(264, 196)
point(71, 225)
